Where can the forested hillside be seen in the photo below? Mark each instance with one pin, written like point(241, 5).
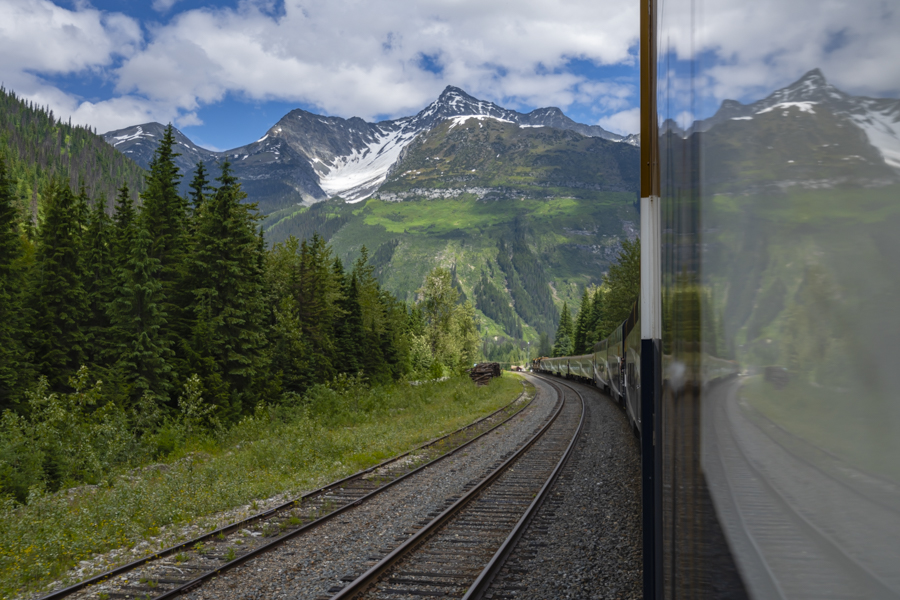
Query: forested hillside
point(38, 147)
point(601, 309)
point(122, 333)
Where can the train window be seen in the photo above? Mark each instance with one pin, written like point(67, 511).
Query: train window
point(779, 156)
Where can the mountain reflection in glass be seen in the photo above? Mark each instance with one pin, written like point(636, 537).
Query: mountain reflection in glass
point(781, 298)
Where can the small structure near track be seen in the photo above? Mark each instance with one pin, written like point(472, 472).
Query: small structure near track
point(482, 373)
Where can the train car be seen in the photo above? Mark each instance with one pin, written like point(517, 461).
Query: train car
point(581, 368)
point(615, 362)
point(601, 369)
point(632, 375)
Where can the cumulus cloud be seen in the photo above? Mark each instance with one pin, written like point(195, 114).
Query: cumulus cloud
point(346, 57)
point(745, 50)
point(623, 122)
point(39, 36)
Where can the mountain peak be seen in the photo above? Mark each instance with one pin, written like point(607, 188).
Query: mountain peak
point(815, 77)
point(451, 92)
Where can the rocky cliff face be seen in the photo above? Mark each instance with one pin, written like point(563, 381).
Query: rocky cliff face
point(307, 157)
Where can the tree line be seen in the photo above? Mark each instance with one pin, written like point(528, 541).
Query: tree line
point(175, 306)
point(39, 147)
point(602, 308)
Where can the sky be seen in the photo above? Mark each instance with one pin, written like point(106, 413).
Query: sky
point(224, 72)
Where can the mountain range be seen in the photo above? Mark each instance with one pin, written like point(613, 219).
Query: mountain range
point(528, 209)
point(306, 157)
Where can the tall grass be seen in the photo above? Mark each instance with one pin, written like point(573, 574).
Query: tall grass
point(331, 432)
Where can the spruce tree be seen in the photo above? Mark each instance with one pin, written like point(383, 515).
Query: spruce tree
point(200, 189)
point(316, 296)
point(228, 306)
point(100, 282)
point(137, 316)
point(165, 216)
point(562, 345)
point(349, 333)
point(596, 316)
point(124, 216)
point(582, 337)
point(57, 293)
point(623, 286)
point(13, 362)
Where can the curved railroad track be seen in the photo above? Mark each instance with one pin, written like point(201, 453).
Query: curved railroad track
point(458, 553)
point(184, 567)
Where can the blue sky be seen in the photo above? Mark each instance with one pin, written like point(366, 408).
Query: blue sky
point(224, 72)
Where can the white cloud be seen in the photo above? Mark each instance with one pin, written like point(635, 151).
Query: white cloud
point(163, 6)
point(38, 36)
point(347, 57)
point(623, 123)
point(746, 50)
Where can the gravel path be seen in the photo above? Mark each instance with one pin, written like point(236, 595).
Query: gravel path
point(585, 542)
point(316, 564)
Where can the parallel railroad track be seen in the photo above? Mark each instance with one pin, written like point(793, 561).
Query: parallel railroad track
point(184, 567)
point(459, 552)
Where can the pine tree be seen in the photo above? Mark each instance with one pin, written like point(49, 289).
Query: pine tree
point(228, 307)
point(57, 294)
point(13, 362)
point(562, 345)
point(137, 316)
point(100, 282)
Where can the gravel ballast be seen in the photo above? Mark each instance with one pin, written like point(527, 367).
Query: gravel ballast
point(317, 564)
point(585, 541)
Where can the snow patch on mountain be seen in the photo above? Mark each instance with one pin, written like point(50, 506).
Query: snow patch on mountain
point(806, 107)
point(463, 118)
point(354, 177)
point(128, 137)
point(883, 131)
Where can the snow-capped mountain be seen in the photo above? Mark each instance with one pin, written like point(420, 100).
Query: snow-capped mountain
point(309, 157)
point(879, 118)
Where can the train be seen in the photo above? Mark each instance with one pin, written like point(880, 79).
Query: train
point(614, 367)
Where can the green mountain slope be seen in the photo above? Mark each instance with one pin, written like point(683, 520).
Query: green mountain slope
point(527, 217)
point(486, 157)
point(37, 147)
point(532, 253)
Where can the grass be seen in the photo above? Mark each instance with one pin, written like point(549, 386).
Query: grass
point(277, 450)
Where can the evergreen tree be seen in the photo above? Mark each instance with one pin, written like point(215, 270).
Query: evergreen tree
point(544, 347)
point(623, 287)
point(165, 216)
point(349, 334)
point(228, 307)
point(57, 293)
point(200, 189)
point(13, 363)
point(596, 316)
point(562, 344)
point(100, 282)
point(582, 339)
point(124, 216)
point(138, 318)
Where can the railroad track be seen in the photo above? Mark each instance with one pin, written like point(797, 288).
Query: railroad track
point(459, 552)
point(184, 567)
